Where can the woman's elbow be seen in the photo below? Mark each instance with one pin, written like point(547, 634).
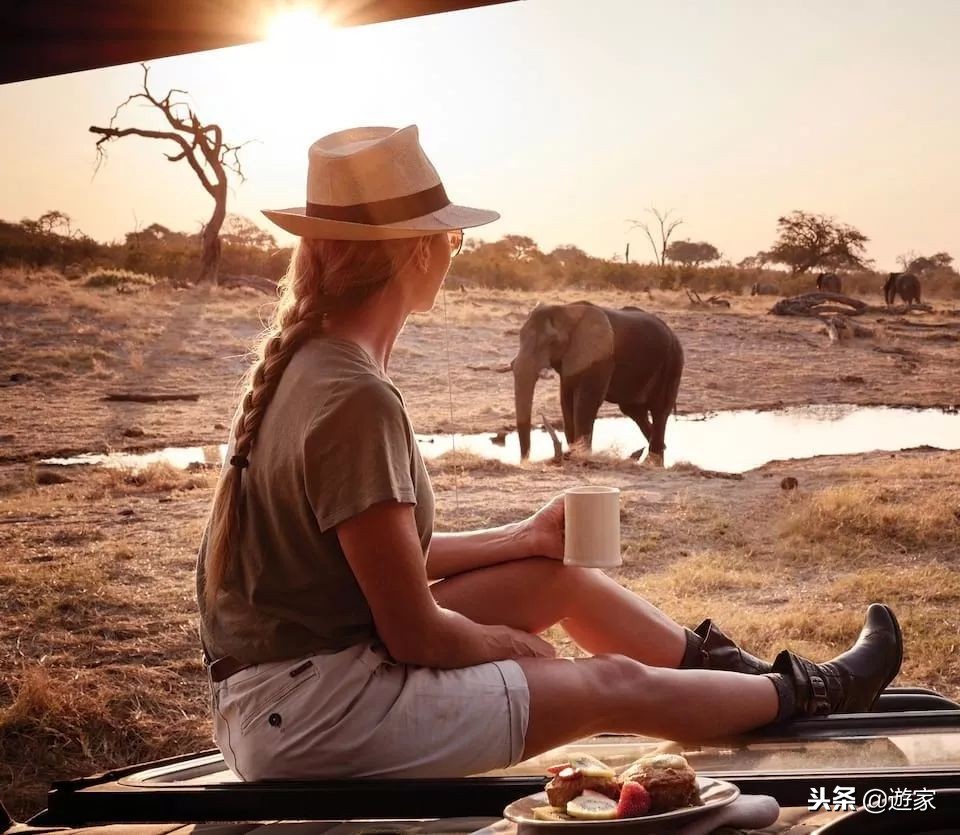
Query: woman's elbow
point(419, 647)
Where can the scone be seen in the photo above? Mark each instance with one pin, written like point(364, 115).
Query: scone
point(669, 779)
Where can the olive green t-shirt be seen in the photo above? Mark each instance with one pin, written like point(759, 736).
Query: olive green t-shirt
point(335, 439)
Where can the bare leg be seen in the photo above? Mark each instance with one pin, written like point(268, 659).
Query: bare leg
point(571, 699)
point(597, 612)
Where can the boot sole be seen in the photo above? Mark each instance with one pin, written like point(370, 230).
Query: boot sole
point(899, 634)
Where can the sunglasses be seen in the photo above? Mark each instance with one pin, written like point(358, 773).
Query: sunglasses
point(456, 241)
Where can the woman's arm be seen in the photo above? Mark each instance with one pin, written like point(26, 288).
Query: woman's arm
point(383, 550)
point(454, 553)
point(540, 535)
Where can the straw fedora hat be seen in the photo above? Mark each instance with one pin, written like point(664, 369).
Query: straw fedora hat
point(374, 184)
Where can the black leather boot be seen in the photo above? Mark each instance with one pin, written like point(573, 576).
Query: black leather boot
point(851, 682)
point(709, 649)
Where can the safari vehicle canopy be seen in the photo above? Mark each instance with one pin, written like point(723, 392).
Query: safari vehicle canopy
point(50, 37)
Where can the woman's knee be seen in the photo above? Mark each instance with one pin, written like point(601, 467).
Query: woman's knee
point(573, 698)
point(614, 680)
point(557, 575)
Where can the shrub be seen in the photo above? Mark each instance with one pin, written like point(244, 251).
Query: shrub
point(104, 278)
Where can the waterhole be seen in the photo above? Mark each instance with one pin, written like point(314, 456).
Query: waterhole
point(732, 441)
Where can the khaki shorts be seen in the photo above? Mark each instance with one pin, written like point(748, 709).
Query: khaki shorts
point(358, 713)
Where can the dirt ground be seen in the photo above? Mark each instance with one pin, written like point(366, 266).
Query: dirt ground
point(63, 348)
point(96, 576)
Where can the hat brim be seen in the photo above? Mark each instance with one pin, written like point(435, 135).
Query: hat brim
point(447, 219)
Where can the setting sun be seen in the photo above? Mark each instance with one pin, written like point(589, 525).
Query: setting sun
point(297, 26)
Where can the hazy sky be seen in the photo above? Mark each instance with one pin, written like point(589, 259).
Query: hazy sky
point(567, 116)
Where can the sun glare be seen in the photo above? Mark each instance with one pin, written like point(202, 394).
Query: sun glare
point(296, 27)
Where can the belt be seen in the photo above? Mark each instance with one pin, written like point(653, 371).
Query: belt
point(223, 668)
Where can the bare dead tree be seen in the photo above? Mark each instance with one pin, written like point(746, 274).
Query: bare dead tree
point(666, 225)
point(204, 149)
point(713, 301)
point(557, 449)
point(906, 259)
point(819, 305)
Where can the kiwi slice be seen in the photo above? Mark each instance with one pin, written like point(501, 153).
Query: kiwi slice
point(592, 807)
point(590, 766)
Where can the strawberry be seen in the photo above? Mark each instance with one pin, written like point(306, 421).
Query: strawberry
point(634, 801)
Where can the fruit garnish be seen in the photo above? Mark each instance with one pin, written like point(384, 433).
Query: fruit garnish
point(634, 800)
point(592, 806)
point(549, 813)
point(590, 766)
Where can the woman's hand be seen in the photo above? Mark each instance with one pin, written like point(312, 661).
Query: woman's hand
point(544, 530)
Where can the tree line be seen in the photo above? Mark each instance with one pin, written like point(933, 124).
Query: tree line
point(231, 244)
point(513, 262)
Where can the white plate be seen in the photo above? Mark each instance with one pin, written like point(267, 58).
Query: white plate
point(713, 793)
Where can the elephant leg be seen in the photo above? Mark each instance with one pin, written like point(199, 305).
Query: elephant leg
point(640, 415)
point(589, 392)
point(662, 409)
point(567, 392)
point(657, 444)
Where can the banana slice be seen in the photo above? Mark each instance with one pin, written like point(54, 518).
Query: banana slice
point(550, 813)
point(590, 766)
point(592, 806)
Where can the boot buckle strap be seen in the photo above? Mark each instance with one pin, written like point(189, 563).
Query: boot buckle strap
point(821, 704)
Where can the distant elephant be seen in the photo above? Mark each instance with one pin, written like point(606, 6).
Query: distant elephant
point(906, 284)
point(627, 356)
point(764, 290)
point(829, 283)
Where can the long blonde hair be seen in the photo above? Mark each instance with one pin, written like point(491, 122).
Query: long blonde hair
point(324, 277)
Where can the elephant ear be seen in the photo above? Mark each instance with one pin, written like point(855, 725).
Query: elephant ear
point(590, 341)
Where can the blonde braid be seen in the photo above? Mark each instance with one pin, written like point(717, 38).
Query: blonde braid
point(301, 321)
point(324, 276)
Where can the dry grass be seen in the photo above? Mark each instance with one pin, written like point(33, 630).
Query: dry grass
point(97, 609)
point(713, 573)
point(867, 517)
point(47, 289)
point(97, 596)
point(155, 478)
point(64, 723)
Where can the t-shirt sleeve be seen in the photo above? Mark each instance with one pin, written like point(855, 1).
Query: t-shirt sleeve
point(357, 454)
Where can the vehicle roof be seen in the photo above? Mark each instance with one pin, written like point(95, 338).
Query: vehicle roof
point(50, 37)
point(915, 745)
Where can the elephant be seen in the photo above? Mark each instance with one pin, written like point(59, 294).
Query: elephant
point(626, 356)
point(758, 289)
point(906, 284)
point(829, 283)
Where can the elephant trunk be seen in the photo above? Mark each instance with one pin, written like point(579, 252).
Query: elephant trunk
point(525, 374)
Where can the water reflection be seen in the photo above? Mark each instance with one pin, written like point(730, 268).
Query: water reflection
point(180, 457)
point(730, 442)
point(737, 441)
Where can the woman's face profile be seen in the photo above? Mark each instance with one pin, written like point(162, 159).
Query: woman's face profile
point(438, 264)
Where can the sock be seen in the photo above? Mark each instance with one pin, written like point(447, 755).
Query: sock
point(788, 699)
point(693, 654)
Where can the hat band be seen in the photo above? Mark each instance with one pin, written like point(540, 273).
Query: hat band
point(380, 212)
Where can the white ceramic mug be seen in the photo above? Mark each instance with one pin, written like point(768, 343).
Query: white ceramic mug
point(592, 527)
